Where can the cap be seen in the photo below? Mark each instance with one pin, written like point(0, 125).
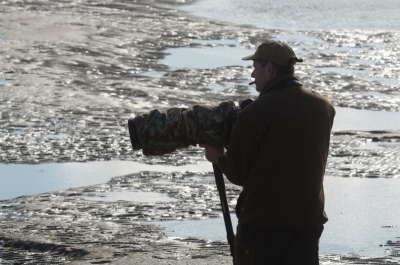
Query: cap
point(275, 52)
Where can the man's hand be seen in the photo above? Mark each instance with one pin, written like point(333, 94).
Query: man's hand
point(213, 152)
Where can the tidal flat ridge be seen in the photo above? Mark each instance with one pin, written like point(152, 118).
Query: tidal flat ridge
point(73, 72)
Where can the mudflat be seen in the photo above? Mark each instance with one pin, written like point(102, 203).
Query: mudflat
point(71, 78)
point(73, 72)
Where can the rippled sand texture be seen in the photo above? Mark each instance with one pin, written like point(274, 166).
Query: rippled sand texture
point(365, 154)
point(73, 72)
point(72, 69)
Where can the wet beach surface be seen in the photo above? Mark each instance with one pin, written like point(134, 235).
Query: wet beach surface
point(72, 74)
point(68, 224)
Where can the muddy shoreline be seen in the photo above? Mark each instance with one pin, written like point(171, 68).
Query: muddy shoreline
point(67, 226)
point(73, 73)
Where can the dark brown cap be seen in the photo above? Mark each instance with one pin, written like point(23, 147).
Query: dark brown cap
point(275, 52)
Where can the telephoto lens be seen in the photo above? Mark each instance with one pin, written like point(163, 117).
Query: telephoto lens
point(162, 132)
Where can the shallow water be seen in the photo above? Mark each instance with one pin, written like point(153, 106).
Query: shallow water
point(206, 54)
point(151, 74)
point(309, 14)
point(21, 179)
point(224, 86)
point(56, 136)
point(378, 94)
point(342, 71)
point(377, 146)
point(365, 120)
point(342, 66)
point(383, 80)
point(363, 215)
point(209, 229)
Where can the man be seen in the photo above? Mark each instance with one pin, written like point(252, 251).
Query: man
point(278, 152)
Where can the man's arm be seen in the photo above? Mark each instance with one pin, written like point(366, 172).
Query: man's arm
point(237, 162)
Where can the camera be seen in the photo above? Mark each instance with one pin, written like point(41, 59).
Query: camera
point(162, 132)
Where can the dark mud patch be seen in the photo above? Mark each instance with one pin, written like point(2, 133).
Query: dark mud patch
point(18, 252)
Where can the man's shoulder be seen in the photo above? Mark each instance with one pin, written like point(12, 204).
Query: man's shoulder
point(316, 95)
point(255, 106)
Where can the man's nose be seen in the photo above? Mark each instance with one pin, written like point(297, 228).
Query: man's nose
point(252, 74)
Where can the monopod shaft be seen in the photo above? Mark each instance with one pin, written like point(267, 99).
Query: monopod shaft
point(219, 180)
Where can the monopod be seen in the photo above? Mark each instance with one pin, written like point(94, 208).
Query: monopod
point(219, 180)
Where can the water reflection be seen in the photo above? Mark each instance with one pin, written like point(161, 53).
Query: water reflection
point(365, 120)
point(20, 179)
point(221, 86)
point(56, 136)
point(206, 54)
point(209, 229)
point(359, 211)
point(342, 71)
point(151, 74)
point(362, 216)
point(310, 14)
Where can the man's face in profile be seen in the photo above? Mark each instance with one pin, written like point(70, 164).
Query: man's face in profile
point(262, 74)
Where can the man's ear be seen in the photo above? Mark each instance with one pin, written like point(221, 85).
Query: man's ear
point(270, 69)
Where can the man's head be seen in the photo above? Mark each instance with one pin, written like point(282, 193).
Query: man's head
point(271, 58)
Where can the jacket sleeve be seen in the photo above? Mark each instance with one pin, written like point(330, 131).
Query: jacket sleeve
point(242, 153)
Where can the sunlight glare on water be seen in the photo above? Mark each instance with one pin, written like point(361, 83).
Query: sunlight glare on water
point(304, 15)
point(365, 120)
point(22, 179)
point(208, 54)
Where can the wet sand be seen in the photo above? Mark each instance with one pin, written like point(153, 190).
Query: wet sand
point(67, 226)
point(71, 76)
point(72, 73)
point(70, 69)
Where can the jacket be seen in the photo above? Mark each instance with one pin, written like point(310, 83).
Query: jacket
point(278, 152)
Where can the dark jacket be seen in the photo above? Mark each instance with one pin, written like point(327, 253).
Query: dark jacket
point(278, 152)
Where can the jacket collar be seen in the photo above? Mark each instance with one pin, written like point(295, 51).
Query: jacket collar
point(274, 81)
